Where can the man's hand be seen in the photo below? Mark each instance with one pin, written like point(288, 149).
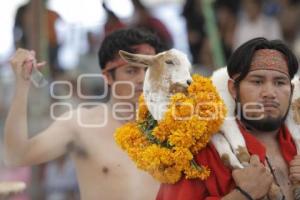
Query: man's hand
point(295, 169)
point(255, 179)
point(22, 63)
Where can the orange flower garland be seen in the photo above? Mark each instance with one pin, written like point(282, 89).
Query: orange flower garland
point(166, 148)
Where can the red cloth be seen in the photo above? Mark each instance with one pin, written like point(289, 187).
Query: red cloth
point(220, 181)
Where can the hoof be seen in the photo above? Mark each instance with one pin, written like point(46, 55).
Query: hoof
point(296, 191)
point(275, 192)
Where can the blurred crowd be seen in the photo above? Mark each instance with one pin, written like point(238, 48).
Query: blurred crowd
point(239, 21)
point(236, 21)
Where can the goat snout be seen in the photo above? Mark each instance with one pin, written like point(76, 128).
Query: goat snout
point(189, 82)
point(178, 87)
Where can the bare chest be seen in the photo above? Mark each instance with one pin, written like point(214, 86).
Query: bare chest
point(107, 172)
point(280, 171)
point(101, 151)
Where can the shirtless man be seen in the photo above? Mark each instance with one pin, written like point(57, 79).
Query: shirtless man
point(103, 170)
point(260, 82)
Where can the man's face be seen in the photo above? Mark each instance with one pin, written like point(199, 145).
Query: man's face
point(264, 97)
point(127, 82)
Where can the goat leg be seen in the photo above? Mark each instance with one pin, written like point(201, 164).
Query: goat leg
point(296, 190)
point(275, 192)
point(224, 150)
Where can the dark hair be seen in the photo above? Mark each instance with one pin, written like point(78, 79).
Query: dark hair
point(124, 39)
point(240, 60)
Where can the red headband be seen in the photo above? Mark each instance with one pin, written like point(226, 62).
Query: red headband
point(269, 59)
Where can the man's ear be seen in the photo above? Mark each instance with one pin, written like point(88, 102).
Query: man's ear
point(109, 78)
point(232, 89)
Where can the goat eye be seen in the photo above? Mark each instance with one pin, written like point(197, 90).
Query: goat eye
point(169, 62)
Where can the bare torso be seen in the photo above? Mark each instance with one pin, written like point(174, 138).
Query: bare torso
point(281, 168)
point(104, 171)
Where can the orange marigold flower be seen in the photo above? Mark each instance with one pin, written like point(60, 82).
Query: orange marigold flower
point(167, 150)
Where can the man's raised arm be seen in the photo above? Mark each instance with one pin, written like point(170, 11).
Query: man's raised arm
point(18, 148)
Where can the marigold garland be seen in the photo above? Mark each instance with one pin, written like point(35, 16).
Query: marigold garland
point(166, 149)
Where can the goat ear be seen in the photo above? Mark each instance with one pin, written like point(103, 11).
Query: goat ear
point(137, 59)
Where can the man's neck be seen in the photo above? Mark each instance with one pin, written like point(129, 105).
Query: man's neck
point(264, 134)
point(261, 134)
point(267, 138)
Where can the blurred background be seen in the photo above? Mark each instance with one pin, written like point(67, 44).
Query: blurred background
point(68, 33)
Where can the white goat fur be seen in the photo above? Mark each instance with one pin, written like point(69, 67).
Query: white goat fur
point(229, 128)
point(290, 123)
point(164, 69)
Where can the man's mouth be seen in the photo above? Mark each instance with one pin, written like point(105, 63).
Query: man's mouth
point(270, 105)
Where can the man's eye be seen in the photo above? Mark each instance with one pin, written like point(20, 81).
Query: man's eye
point(131, 71)
point(280, 83)
point(256, 82)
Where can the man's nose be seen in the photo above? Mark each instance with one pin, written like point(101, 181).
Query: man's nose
point(269, 90)
point(140, 76)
